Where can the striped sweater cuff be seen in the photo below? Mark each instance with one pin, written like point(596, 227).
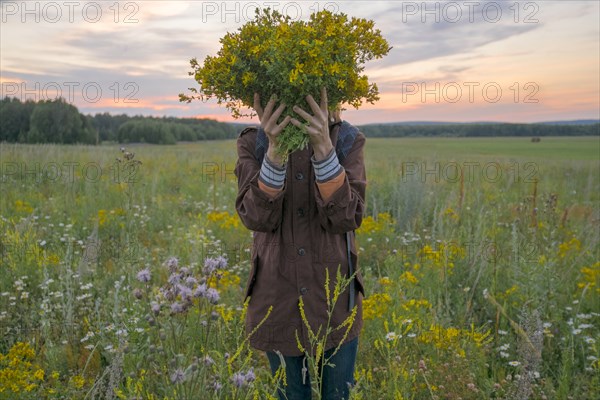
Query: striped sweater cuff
point(328, 168)
point(272, 175)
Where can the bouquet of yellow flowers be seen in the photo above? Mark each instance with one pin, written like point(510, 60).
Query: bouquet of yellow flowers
point(273, 54)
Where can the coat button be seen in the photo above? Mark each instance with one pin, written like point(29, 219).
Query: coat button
point(300, 212)
point(301, 251)
point(299, 176)
point(303, 290)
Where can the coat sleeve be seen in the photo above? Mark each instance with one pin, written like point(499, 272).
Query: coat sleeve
point(258, 210)
point(343, 210)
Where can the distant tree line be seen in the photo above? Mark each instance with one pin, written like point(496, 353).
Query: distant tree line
point(46, 121)
point(56, 121)
point(160, 130)
point(479, 130)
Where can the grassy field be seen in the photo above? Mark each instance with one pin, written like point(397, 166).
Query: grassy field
point(480, 257)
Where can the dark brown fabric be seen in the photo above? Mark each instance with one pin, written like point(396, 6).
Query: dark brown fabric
point(296, 237)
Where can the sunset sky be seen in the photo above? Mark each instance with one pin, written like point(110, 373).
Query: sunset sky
point(542, 55)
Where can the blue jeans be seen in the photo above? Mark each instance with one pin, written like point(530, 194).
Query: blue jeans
point(336, 380)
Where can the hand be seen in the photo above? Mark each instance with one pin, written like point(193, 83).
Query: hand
point(318, 125)
point(268, 122)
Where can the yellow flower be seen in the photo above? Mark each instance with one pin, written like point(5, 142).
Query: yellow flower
point(39, 374)
point(334, 68)
point(102, 217)
point(566, 247)
point(23, 206)
point(409, 277)
point(248, 78)
point(228, 279)
point(78, 381)
point(385, 281)
point(376, 305)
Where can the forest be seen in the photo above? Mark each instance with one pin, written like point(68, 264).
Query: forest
point(56, 121)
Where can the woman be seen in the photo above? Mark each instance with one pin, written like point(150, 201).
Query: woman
point(300, 213)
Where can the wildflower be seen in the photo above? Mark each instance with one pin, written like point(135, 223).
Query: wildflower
point(212, 295)
point(137, 293)
point(83, 296)
point(213, 264)
point(190, 280)
point(174, 278)
point(238, 379)
point(177, 308)
point(250, 377)
point(208, 361)
point(144, 275)
point(242, 60)
point(216, 386)
point(184, 291)
point(172, 263)
point(221, 262)
point(391, 336)
point(200, 291)
point(178, 376)
point(514, 363)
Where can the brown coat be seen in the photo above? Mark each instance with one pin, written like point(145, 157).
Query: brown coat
point(296, 236)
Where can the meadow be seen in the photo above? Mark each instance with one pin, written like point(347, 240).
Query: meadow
point(122, 272)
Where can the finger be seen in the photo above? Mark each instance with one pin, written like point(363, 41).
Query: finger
point(277, 113)
point(299, 124)
point(311, 131)
point(324, 99)
point(257, 105)
point(269, 107)
point(303, 114)
point(283, 123)
point(313, 105)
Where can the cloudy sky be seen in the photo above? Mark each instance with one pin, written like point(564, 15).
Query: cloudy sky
point(508, 61)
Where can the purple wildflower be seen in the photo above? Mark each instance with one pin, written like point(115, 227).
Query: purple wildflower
point(172, 263)
point(200, 291)
point(221, 262)
point(174, 278)
point(155, 308)
point(238, 379)
point(190, 280)
point(184, 291)
point(216, 386)
point(177, 308)
point(210, 265)
point(208, 361)
point(250, 377)
point(144, 275)
point(137, 293)
point(212, 295)
point(178, 376)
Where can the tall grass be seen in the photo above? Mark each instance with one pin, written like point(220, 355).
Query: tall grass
point(481, 267)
